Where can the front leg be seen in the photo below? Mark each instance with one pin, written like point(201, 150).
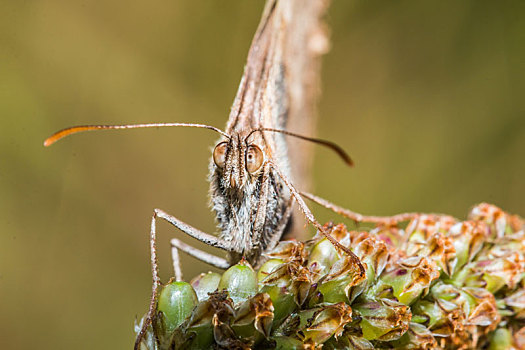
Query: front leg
point(192, 231)
point(176, 244)
point(155, 285)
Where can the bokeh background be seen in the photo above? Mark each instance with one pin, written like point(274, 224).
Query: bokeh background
point(428, 97)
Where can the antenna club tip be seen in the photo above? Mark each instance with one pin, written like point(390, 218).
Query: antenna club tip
point(48, 142)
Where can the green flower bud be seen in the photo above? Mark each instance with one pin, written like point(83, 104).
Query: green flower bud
point(468, 238)
point(343, 275)
point(492, 273)
point(327, 321)
point(282, 300)
point(324, 255)
point(267, 268)
point(176, 301)
point(383, 319)
point(410, 278)
point(426, 312)
point(417, 337)
point(240, 281)
point(501, 340)
point(205, 283)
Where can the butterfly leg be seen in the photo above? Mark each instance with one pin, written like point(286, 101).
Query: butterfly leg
point(311, 219)
point(175, 258)
point(176, 245)
point(155, 285)
point(208, 258)
point(282, 225)
point(192, 231)
point(386, 220)
point(199, 235)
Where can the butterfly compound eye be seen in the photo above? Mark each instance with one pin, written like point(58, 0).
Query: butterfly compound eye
point(254, 159)
point(219, 154)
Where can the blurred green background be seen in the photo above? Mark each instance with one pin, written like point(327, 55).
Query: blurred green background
point(428, 98)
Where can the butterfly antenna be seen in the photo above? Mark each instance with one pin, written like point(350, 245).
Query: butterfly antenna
point(81, 128)
point(331, 145)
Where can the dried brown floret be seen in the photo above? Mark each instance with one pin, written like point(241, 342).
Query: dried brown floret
point(257, 311)
point(327, 321)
